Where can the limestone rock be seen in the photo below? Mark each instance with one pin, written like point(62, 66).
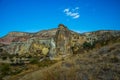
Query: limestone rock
point(55, 43)
point(45, 51)
point(62, 39)
point(52, 51)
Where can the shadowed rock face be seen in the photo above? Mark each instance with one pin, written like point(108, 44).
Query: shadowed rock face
point(62, 39)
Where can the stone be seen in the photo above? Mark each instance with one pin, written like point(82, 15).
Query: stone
point(62, 39)
point(45, 51)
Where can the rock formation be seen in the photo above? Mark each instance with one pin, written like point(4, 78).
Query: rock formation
point(54, 43)
point(63, 40)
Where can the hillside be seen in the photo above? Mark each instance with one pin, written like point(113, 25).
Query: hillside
point(97, 64)
point(60, 54)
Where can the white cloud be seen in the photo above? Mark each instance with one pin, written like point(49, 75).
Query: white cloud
point(72, 12)
point(66, 10)
point(77, 8)
point(77, 16)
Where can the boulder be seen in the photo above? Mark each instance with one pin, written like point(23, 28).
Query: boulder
point(45, 51)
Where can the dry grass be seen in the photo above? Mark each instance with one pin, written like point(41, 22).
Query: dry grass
point(98, 64)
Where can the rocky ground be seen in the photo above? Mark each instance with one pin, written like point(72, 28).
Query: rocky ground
point(60, 54)
point(96, 64)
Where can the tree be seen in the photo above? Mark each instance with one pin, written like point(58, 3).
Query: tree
point(87, 45)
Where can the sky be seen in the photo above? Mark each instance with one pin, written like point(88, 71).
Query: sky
point(78, 15)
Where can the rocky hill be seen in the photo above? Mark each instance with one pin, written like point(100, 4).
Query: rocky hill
point(21, 48)
point(58, 42)
point(55, 41)
point(24, 36)
point(98, 64)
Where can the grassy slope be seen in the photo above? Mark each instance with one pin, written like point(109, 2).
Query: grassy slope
point(97, 64)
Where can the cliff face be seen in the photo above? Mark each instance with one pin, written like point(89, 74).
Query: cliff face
point(55, 43)
point(94, 50)
point(63, 40)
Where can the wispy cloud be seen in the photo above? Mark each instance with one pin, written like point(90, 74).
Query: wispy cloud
point(72, 12)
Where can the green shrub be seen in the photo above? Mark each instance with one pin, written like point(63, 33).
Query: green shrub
point(87, 45)
point(34, 60)
point(46, 63)
point(16, 71)
point(4, 57)
point(5, 69)
point(11, 56)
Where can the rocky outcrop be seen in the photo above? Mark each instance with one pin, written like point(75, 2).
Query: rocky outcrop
point(102, 36)
point(24, 36)
point(17, 34)
point(15, 37)
point(63, 40)
point(54, 43)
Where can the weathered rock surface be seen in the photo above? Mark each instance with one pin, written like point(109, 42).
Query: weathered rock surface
point(63, 40)
point(55, 43)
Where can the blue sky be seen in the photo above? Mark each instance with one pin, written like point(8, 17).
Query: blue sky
point(78, 15)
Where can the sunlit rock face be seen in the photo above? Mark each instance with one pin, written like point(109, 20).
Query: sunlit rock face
point(54, 43)
point(62, 39)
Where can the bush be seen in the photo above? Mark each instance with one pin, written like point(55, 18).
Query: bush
point(114, 59)
point(1, 50)
point(16, 71)
point(34, 60)
point(4, 57)
point(87, 45)
point(46, 63)
point(11, 56)
point(4, 69)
